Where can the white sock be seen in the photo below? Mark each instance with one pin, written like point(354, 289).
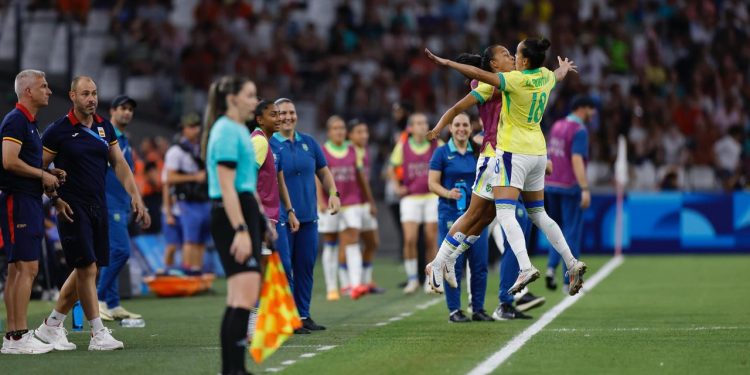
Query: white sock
point(468, 282)
point(96, 324)
point(366, 273)
point(354, 264)
point(55, 319)
point(465, 245)
point(449, 247)
point(497, 235)
point(550, 272)
point(539, 217)
point(506, 213)
point(411, 269)
point(344, 277)
point(330, 259)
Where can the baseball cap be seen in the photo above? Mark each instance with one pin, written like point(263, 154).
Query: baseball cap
point(122, 99)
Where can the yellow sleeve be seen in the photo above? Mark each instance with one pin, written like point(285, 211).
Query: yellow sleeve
point(440, 142)
point(397, 156)
point(483, 92)
point(260, 146)
point(360, 157)
point(510, 81)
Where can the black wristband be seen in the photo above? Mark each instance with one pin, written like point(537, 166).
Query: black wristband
point(291, 210)
point(240, 228)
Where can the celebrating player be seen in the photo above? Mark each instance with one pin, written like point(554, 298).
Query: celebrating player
point(521, 158)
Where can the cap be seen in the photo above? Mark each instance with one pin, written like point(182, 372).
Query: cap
point(122, 99)
point(582, 101)
point(190, 119)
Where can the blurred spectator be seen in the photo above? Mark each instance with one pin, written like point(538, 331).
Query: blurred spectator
point(727, 151)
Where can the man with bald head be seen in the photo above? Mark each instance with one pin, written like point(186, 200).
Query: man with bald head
point(83, 144)
point(22, 181)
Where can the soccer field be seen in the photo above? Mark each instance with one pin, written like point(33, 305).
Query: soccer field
point(652, 314)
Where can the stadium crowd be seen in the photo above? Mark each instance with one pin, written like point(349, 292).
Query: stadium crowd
point(669, 77)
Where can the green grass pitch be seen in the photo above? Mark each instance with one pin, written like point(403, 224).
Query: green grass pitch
point(653, 314)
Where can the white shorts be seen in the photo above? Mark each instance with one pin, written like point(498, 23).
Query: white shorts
point(524, 172)
point(347, 217)
point(484, 178)
point(369, 222)
point(422, 208)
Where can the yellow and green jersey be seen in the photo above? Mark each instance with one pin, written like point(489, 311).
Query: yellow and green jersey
point(525, 96)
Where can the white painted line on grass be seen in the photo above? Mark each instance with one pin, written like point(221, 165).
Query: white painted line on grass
point(395, 319)
point(381, 324)
point(325, 348)
point(288, 362)
point(641, 329)
point(273, 369)
point(407, 314)
point(495, 360)
point(308, 355)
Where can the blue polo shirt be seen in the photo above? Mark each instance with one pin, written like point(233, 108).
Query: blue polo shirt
point(229, 142)
point(20, 126)
point(83, 153)
point(454, 167)
point(117, 197)
point(299, 160)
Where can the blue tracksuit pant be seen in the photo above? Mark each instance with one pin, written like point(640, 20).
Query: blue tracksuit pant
point(477, 257)
point(565, 209)
point(303, 250)
point(119, 253)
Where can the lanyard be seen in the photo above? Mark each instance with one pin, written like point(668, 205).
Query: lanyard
point(91, 132)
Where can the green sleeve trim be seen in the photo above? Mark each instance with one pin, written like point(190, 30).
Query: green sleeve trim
point(477, 95)
point(502, 81)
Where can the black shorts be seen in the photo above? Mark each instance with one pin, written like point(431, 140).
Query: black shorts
point(86, 239)
point(223, 234)
point(21, 226)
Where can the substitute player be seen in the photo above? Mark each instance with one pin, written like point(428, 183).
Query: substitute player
point(347, 169)
point(22, 181)
point(418, 204)
point(118, 208)
point(359, 136)
point(567, 189)
point(521, 157)
point(82, 143)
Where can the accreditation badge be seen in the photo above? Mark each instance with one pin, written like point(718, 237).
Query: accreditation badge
point(102, 133)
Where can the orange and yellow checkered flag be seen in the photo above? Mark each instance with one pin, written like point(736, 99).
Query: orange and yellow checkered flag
point(277, 315)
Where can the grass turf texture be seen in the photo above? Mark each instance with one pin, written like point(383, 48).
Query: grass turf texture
point(652, 314)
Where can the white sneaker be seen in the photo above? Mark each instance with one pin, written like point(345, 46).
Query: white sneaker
point(119, 313)
point(28, 344)
point(104, 312)
point(449, 273)
point(434, 279)
point(7, 346)
point(575, 277)
point(411, 287)
point(55, 336)
point(525, 277)
point(103, 340)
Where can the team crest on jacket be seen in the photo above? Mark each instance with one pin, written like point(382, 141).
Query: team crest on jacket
point(304, 147)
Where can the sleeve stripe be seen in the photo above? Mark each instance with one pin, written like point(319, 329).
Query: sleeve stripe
point(113, 142)
point(502, 81)
point(477, 95)
point(12, 140)
point(49, 150)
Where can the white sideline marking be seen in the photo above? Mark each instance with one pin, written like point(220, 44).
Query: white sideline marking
point(273, 369)
point(308, 355)
point(640, 329)
point(496, 359)
point(309, 346)
point(325, 348)
point(407, 314)
point(288, 362)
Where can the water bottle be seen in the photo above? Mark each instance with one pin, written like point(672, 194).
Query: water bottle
point(461, 202)
point(132, 323)
point(77, 317)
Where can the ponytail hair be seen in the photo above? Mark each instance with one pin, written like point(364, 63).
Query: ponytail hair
point(480, 61)
point(535, 49)
point(217, 104)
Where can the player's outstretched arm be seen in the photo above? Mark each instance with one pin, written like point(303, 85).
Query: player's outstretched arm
point(463, 105)
point(467, 70)
point(565, 67)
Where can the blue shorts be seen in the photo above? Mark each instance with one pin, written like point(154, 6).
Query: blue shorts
point(86, 239)
point(21, 226)
point(172, 233)
point(195, 218)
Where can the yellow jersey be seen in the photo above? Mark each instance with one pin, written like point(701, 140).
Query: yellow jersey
point(525, 96)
